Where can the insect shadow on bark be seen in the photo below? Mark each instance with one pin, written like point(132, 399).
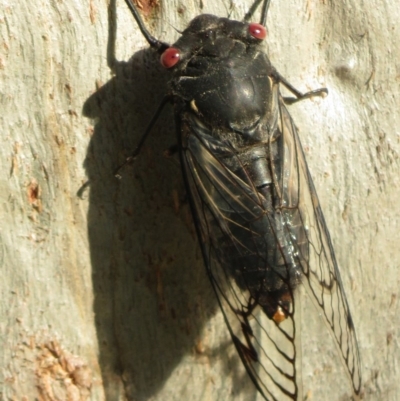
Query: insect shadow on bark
point(152, 296)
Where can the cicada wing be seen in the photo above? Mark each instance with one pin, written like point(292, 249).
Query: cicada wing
point(227, 211)
point(314, 246)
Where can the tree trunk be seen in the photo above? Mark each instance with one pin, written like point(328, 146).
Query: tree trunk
point(104, 293)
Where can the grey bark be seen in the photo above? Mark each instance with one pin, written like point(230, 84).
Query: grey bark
point(104, 294)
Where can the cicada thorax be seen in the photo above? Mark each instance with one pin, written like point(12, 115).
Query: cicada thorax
point(223, 74)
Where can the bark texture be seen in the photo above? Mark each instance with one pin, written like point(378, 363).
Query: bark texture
point(103, 293)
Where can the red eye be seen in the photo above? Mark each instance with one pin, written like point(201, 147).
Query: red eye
point(170, 57)
point(257, 30)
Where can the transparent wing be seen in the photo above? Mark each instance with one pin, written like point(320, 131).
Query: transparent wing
point(259, 243)
point(318, 262)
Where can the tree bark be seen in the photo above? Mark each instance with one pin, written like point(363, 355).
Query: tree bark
point(104, 293)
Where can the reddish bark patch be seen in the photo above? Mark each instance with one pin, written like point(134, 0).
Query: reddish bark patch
point(34, 195)
point(61, 375)
point(146, 6)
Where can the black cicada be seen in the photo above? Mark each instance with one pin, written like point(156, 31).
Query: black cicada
point(257, 215)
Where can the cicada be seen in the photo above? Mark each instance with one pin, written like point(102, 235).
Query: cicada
point(257, 215)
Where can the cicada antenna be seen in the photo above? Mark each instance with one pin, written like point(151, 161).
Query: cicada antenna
point(264, 11)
